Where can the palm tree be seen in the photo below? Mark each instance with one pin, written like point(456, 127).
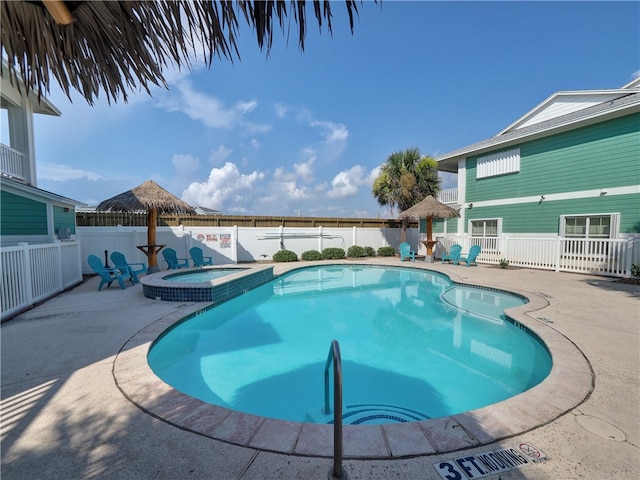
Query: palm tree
point(406, 178)
point(119, 46)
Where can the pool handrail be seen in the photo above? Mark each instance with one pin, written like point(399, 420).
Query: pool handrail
point(335, 358)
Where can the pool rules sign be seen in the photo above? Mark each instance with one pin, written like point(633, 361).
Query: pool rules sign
point(470, 467)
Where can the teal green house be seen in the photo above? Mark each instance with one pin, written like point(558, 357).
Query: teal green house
point(569, 169)
point(27, 213)
point(39, 254)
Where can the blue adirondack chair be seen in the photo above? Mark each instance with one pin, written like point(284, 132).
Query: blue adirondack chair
point(405, 252)
point(173, 262)
point(474, 251)
point(198, 259)
point(108, 275)
point(453, 255)
point(120, 261)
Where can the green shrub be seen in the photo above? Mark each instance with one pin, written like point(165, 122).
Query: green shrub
point(369, 252)
point(355, 252)
point(285, 256)
point(311, 255)
point(333, 253)
point(635, 270)
point(386, 251)
point(504, 263)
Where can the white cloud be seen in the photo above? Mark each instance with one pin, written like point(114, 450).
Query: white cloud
point(333, 132)
point(225, 188)
point(219, 155)
point(63, 173)
point(281, 110)
point(304, 170)
point(209, 110)
point(185, 163)
point(347, 183)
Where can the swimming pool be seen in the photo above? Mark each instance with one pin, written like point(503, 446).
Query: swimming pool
point(414, 346)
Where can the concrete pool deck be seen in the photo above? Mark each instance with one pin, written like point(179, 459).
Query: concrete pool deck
point(64, 415)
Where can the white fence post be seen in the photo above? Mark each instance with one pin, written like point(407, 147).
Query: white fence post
point(320, 238)
point(26, 262)
point(558, 254)
point(234, 244)
point(59, 272)
point(354, 235)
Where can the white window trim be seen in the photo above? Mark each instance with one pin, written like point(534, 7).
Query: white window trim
point(614, 226)
point(506, 162)
point(499, 226)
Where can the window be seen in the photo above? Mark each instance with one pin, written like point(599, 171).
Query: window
point(590, 226)
point(501, 163)
point(582, 233)
point(484, 228)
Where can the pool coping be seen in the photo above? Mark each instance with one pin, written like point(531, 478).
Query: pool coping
point(569, 383)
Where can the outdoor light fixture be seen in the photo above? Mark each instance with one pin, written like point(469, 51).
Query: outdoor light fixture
point(541, 197)
point(471, 205)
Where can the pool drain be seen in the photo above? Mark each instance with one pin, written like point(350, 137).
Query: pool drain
point(600, 427)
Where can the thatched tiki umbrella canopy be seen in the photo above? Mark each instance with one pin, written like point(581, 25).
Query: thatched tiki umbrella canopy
point(116, 47)
point(430, 208)
point(154, 199)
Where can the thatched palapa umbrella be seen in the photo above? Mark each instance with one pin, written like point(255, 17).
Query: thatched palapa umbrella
point(154, 199)
point(430, 208)
point(115, 47)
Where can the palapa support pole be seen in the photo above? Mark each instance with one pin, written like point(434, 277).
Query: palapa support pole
point(152, 217)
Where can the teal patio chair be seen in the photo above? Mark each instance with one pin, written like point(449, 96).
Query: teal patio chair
point(406, 252)
point(173, 262)
point(474, 251)
point(453, 255)
point(120, 261)
point(108, 275)
point(198, 259)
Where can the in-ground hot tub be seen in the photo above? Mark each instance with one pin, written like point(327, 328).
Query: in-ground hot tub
point(209, 284)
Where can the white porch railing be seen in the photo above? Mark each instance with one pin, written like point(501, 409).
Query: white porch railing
point(31, 273)
point(611, 257)
point(12, 163)
point(449, 195)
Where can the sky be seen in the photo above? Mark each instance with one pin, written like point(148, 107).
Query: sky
point(305, 133)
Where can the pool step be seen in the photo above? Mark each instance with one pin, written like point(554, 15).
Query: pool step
point(371, 414)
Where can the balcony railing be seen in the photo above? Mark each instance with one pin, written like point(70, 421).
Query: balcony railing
point(450, 195)
point(12, 163)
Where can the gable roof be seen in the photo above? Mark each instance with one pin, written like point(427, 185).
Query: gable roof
point(561, 112)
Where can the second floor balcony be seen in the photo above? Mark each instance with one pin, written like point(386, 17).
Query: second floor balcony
point(12, 164)
point(448, 196)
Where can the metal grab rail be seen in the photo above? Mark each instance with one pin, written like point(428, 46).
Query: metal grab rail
point(334, 356)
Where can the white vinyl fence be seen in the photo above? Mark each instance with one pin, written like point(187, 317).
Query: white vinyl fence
point(611, 257)
point(232, 244)
point(31, 273)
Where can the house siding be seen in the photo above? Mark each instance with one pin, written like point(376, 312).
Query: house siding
point(543, 217)
point(608, 157)
point(64, 219)
point(22, 216)
point(607, 154)
point(438, 225)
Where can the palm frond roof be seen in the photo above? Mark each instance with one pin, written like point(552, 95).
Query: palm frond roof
point(116, 47)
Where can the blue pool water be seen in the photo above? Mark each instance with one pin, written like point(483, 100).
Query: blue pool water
point(414, 346)
point(202, 276)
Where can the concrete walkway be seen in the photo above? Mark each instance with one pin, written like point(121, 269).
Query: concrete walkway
point(63, 417)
